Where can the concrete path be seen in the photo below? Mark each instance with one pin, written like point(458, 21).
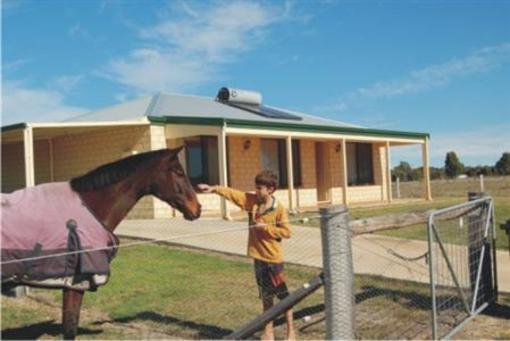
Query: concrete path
point(373, 254)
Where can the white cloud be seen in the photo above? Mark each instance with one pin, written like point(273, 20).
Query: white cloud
point(482, 146)
point(430, 77)
point(66, 83)
point(77, 31)
point(152, 70)
point(14, 65)
point(24, 104)
point(193, 45)
point(215, 32)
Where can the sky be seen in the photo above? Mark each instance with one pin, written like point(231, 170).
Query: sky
point(439, 67)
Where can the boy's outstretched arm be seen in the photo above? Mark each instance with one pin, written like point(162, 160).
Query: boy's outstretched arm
point(240, 198)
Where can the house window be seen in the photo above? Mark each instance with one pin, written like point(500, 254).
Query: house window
point(360, 164)
point(274, 157)
point(202, 160)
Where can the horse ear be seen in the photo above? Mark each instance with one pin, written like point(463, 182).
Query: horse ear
point(175, 152)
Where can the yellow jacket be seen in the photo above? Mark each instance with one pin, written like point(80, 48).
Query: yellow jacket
point(263, 243)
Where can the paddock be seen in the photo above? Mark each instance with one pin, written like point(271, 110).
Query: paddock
point(192, 280)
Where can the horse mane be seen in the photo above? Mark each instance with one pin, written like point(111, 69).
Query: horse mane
point(113, 172)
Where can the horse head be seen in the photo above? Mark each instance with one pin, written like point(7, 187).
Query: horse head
point(172, 186)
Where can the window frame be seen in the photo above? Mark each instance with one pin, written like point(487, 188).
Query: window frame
point(201, 142)
point(363, 154)
point(281, 151)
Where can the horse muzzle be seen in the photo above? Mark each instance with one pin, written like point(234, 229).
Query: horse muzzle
point(189, 211)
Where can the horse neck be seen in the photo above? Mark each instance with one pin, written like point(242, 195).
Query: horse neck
point(111, 204)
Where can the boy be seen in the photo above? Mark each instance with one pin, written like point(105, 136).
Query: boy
point(268, 224)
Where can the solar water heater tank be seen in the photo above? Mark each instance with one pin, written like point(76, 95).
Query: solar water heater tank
point(238, 96)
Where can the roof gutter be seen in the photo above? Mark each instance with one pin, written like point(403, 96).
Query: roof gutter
point(73, 124)
point(285, 126)
point(14, 127)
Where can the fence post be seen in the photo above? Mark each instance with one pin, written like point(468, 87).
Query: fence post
point(398, 187)
point(482, 185)
point(338, 273)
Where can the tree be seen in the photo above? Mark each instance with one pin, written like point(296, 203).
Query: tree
point(452, 165)
point(403, 171)
point(436, 173)
point(502, 167)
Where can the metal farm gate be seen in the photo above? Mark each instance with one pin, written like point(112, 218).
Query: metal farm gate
point(462, 264)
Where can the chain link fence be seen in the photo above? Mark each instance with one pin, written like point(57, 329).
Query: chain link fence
point(192, 280)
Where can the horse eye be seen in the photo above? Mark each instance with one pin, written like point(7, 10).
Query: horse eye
point(178, 189)
point(177, 171)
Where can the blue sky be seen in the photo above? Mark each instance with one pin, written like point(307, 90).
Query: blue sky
point(441, 67)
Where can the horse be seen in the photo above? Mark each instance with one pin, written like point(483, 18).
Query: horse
point(107, 194)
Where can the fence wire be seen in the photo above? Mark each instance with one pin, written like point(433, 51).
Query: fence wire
point(461, 269)
point(200, 284)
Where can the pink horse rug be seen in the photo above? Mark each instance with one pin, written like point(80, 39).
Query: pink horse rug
point(46, 232)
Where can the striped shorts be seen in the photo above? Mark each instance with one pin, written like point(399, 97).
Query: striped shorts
point(270, 279)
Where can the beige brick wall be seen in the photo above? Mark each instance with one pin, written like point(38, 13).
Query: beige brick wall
point(306, 194)
point(42, 161)
point(157, 137)
point(74, 155)
point(158, 141)
point(360, 194)
point(376, 192)
point(337, 195)
point(335, 154)
point(380, 165)
point(210, 203)
point(306, 197)
point(77, 154)
point(13, 167)
point(308, 175)
point(243, 164)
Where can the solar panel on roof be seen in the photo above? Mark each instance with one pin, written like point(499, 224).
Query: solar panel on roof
point(267, 112)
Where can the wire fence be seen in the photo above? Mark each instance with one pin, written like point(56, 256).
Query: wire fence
point(497, 186)
point(462, 277)
point(201, 285)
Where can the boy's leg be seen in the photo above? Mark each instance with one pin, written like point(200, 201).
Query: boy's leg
point(289, 316)
point(281, 292)
point(265, 292)
point(268, 334)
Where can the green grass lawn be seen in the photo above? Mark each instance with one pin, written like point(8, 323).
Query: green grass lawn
point(173, 292)
point(157, 291)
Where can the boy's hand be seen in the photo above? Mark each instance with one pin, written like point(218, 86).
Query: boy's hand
point(204, 188)
point(259, 225)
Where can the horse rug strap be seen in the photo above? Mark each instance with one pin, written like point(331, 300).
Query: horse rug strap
point(50, 219)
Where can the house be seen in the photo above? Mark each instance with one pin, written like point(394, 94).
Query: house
point(227, 139)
